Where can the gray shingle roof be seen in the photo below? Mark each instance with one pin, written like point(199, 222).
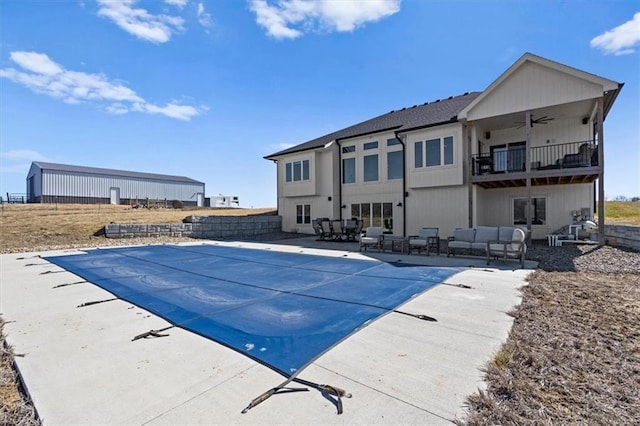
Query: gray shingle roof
point(110, 172)
point(417, 116)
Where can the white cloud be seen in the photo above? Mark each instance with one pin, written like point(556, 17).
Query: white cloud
point(22, 154)
point(179, 3)
point(42, 75)
point(18, 161)
point(291, 18)
point(203, 17)
point(277, 147)
point(139, 22)
point(621, 40)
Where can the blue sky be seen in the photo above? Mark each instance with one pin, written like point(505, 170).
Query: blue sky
point(205, 89)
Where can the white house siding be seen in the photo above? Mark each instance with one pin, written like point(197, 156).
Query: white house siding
point(534, 86)
point(79, 185)
point(445, 208)
point(381, 191)
point(495, 206)
point(435, 176)
point(300, 188)
point(315, 192)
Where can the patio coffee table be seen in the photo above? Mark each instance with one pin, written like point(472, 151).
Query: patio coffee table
point(395, 243)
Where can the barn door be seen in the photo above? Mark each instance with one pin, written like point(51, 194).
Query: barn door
point(115, 195)
point(200, 199)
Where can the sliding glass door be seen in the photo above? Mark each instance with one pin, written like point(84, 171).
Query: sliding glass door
point(374, 214)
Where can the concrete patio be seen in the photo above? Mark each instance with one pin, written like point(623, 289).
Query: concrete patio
point(81, 367)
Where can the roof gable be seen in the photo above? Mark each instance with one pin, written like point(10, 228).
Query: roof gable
point(534, 82)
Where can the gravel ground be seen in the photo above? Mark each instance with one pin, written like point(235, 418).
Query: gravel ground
point(585, 258)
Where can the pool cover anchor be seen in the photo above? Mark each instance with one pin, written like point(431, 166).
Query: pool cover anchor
point(152, 333)
point(326, 390)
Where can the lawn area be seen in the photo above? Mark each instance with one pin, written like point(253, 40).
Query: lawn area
point(622, 212)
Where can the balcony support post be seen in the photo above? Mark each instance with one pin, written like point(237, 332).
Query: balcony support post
point(471, 139)
point(600, 133)
point(527, 125)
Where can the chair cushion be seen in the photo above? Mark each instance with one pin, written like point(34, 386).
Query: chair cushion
point(374, 231)
point(369, 240)
point(479, 246)
point(418, 242)
point(464, 234)
point(486, 233)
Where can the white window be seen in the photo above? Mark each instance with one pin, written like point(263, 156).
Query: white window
point(349, 170)
point(370, 167)
point(374, 214)
point(303, 214)
point(437, 152)
point(297, 171)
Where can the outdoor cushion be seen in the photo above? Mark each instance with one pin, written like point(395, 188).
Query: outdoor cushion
point(423, 235)
point(464, 234)
point(460, 244)
point(505, 233)
point(487, 233)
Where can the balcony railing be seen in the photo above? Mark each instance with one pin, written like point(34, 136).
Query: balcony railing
point(558, 156)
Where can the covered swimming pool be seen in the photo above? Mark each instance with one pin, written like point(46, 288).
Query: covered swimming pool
point(281, 309)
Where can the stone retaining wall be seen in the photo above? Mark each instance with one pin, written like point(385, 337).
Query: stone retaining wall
point(210, 227)
point(622, 236)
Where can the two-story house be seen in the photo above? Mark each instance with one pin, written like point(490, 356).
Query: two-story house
point(528, 151)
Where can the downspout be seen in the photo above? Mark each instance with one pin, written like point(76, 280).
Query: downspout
point(339, 178)
point(404, 185)
point(277, 188)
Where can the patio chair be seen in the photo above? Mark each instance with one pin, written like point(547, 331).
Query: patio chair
point(351, 229)
point(427, 239)
point(372, 236)
point(508, 248)
point(321, 232)
point(337, 231)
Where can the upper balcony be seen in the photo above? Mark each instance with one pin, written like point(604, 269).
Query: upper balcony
point(567, 163)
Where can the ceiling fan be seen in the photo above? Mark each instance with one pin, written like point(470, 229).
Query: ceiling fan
point(540, 120)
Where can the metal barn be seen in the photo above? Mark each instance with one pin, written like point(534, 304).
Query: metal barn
point(62, 183)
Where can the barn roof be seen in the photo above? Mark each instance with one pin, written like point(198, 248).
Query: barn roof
point(111, 172)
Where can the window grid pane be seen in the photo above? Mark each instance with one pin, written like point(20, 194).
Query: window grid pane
point(349, 170)
point(299, 213)
point(307, 213)
point(393, 141)
point(371, 168)
point(305, 170)
point(394, 165)
point(288, 172)
point(297, 172)
point(432, 148)
point(371, 145)
point(418, 155)
point(448, 150)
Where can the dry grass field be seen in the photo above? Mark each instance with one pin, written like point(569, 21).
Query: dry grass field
point(37, 226)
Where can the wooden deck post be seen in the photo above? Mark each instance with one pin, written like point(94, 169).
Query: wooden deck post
point(527, 156)
point(600, 130)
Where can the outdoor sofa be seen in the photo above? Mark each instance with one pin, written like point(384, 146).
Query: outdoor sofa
point(506, 242)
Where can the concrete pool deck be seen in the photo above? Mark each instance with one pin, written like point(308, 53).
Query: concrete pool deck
point(81, 367)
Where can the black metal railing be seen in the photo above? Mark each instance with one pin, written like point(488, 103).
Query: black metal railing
point(557, 156)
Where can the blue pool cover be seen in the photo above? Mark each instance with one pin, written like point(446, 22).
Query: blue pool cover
point(281, 309)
